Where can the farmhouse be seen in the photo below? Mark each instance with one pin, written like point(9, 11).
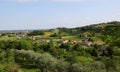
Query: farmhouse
point(65, 41)
point(74, 42)
point(87, 43)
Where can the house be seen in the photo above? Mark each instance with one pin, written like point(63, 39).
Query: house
point(65, 41)
point(87, 43)
point(74, 42)
point(32, 38)
point(45, 41)
point(23, 34)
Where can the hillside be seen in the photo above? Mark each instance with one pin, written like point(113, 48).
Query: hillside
point(93, 48)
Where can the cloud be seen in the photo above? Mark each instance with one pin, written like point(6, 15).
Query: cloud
point(19, 1)
point(28, 0)
point(43, 0)
point(67, 0)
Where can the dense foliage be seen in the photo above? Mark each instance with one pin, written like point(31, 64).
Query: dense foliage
point(64, 49)
point(36, 32)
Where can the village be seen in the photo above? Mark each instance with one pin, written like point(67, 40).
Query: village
point(64, 48)
point(85, 39)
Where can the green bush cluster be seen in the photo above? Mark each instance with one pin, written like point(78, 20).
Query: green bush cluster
point(47, 63)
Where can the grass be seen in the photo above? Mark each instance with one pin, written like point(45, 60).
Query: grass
point(69, 37)
point(8, 38)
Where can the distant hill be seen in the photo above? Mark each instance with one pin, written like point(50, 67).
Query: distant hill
point(93, 27)
point(14, 31)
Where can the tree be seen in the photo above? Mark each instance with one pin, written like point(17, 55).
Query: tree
point(25, 44)
point(65, 46)
point(2, 45)
point(77, 47)
point(36, 32)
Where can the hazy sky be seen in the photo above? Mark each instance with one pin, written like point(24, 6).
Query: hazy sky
point(46, 14)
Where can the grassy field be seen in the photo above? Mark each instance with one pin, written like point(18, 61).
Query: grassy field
point(8, 38)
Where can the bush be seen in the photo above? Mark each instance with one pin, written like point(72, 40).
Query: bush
point(45, 62)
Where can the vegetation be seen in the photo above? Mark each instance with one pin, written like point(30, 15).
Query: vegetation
point(94, 48)
point(36, 32)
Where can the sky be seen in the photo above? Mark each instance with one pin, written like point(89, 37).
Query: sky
point(47, 14)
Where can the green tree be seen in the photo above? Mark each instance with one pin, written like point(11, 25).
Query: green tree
point(2, 45)
point(25, 44)
point(36, 32)
point(65, 46)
